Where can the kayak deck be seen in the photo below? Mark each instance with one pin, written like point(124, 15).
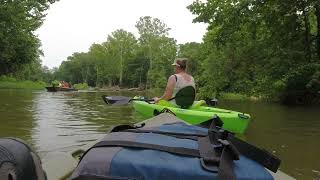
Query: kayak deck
point(233, 121)
point(69, 161)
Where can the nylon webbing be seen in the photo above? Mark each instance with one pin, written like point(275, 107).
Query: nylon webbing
point(209, 157)
point(166, 132)
point(175, 150)
point(206, 150)
point(95, 177)
point(226, 165)
point(206, 153)
point(261, 156)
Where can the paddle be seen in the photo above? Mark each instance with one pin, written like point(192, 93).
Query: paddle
point(121, 100)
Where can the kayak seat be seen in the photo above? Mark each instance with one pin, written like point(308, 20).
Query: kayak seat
point(185, 97)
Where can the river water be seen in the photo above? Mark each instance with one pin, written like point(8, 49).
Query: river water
point(63, 121)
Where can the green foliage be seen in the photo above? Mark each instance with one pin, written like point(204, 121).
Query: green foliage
point(7, 78)
point(12, 83)
point(268, 49)
point(260, 48)
point(233, 96)
point(302, 85)
point(55, 83)
point(194, 52)
point(18, 44)
point(81, 86)
point(160, 50)
point(123, 60)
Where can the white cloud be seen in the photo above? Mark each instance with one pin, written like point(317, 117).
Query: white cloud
point(73, 25)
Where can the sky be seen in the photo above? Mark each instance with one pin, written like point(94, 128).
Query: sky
point(74, 25)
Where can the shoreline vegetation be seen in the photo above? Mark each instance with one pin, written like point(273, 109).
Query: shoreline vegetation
point(256, 55)
point(12, 83)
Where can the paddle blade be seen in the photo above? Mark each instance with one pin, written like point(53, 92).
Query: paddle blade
point(116, 100)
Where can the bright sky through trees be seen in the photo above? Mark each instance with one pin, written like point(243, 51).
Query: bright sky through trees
point(73, 25)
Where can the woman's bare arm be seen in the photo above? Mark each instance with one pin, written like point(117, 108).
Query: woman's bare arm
point(169, 89)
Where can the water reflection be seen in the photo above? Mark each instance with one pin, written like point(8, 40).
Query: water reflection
point(66, 120)
point(16, 114)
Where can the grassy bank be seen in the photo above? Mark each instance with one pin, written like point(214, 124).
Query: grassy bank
point(226, 96)
point(81, 86)
point(12, 83)
point(235, 96)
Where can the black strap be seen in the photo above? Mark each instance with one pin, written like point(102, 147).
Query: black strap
point(125, 127)
point(96, 177)
point(226, 165)
point(209, 158)
point(130, 144)
point(261, 156)
point(166, 132)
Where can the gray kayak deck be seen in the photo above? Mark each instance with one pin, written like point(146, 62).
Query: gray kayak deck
point(59, 165)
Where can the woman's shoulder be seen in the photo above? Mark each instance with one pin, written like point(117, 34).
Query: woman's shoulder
point(189, 75)
point(173, 77)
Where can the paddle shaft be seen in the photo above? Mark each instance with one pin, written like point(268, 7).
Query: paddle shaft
point(121, 100)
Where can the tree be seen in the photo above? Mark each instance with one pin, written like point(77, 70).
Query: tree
point(122, 45)
point(18, 44)
point(193, 51)
point(159, 49)
point(258, 43)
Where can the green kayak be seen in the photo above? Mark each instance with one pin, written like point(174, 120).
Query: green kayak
point(198, 114)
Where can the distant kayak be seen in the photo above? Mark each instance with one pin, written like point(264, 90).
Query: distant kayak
point(55, 89)
point(234, 121)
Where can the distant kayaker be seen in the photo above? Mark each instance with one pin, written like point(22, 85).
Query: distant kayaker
point(177, 81)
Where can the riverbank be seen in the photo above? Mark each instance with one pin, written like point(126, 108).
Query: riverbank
point(222, 96)
point(12, 83)
point(236, 96)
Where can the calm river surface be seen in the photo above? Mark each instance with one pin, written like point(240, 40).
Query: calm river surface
point(63, 121)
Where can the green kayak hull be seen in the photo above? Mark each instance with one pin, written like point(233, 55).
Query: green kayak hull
point(233, 121)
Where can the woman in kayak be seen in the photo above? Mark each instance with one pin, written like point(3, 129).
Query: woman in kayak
point(177, 81)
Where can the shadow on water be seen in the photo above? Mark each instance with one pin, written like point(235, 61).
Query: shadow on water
point(63, 121)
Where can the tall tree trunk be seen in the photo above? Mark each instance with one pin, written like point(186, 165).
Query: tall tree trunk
point(307, 36)
point(121, 67)
point(318, 25)
point(97, 80)
point(148, 83)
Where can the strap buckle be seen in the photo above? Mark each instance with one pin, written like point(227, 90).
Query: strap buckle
point(232, 149)
point(210, 164)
